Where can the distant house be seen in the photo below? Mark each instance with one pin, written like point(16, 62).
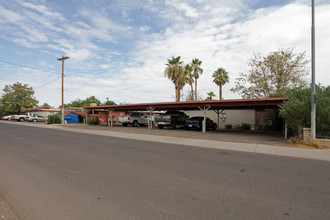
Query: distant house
point(103, 115)
point(42, 111)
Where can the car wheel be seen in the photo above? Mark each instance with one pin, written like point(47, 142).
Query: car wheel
point(34, 120)
point(175, 126)
point(21, 119)
point(9, 119)
point(135, 123)
point(160, 126)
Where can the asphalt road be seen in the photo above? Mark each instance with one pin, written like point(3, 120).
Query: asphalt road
point(52, 174)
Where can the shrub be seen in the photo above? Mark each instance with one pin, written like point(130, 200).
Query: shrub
point(94, 120)
point(246, 126)
point(229, 126)
point(54, 119)
point(237, 127)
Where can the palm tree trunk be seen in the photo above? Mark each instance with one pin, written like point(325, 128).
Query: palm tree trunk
point(195, 89)
point(220, 92)
point(176, 93)
point(192, 92)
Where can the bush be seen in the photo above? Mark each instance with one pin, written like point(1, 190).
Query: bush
point(229, 126)
point(237, 127)
point(54, 119)
point(246, 126)
point(94, 121)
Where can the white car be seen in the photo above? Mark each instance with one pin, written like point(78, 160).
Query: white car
point(36, 118)
point(8, 117)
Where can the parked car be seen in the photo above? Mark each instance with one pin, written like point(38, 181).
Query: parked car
point(22, 117)
point(134, 119)
point(36, 118)
point(196, 123)
point(7, 117)
point(173, 119)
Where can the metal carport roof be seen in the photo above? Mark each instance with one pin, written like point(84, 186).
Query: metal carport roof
point(261, 103)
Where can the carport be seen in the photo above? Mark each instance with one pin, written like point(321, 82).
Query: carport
point(217, 106)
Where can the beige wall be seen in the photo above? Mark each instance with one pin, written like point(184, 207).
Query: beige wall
point(234, 117)
point(44, 113)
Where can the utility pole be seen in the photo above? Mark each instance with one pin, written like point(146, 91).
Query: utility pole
point(62, 109)
point(313, 95)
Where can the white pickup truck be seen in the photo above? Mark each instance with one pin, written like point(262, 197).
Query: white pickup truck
point(134, 119)
point(22, 117)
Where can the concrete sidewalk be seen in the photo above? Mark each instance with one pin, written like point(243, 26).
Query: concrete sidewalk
point(253, 142)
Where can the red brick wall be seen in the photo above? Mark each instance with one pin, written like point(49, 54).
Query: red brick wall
point(103, 116)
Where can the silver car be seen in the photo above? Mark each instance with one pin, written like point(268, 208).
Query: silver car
point(36, 118)
point(8, 117)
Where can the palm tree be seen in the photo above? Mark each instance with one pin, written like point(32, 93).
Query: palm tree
point(210, 95)
point(197, 70)
point(176, 73)
point(220, 78)
point(189, 69)
point(183, 80)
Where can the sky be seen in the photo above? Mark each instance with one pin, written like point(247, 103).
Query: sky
point(118, 48)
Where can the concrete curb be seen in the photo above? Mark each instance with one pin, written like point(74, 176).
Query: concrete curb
point(316, 154)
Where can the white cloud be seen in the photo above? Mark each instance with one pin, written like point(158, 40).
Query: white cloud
point(9, 16)
point(124, 58)
point(105, 66)
point(229, 46)
point(42, 9)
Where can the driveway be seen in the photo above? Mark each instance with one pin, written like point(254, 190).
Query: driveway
point(255, 137)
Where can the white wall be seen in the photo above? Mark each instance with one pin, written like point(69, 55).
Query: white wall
point(233, 117)
point(44, 113)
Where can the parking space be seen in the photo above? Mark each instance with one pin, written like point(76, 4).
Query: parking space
point(256, 137)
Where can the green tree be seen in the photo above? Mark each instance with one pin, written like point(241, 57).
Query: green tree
point(297, 110)
point(220, 77)
point(177, 74)
point(45, 105)
point(86, 102)
point(210, 95)
point(2, 110)
point(109, 102)
point(197, 70)
point(89, 100)
point(269, 75)
point(16, 97)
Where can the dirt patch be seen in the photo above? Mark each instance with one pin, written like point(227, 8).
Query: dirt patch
point(309, 144)
point(6, 212)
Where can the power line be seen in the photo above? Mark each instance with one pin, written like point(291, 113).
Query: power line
point(42, 85)
point(36, 87)
point(32, 68)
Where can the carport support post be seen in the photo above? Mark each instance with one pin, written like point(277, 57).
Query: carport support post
point(205, 108)
point(86, 121)
point(110, 117)
point(150, 119)
point(218, 114)
point(108, 124)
